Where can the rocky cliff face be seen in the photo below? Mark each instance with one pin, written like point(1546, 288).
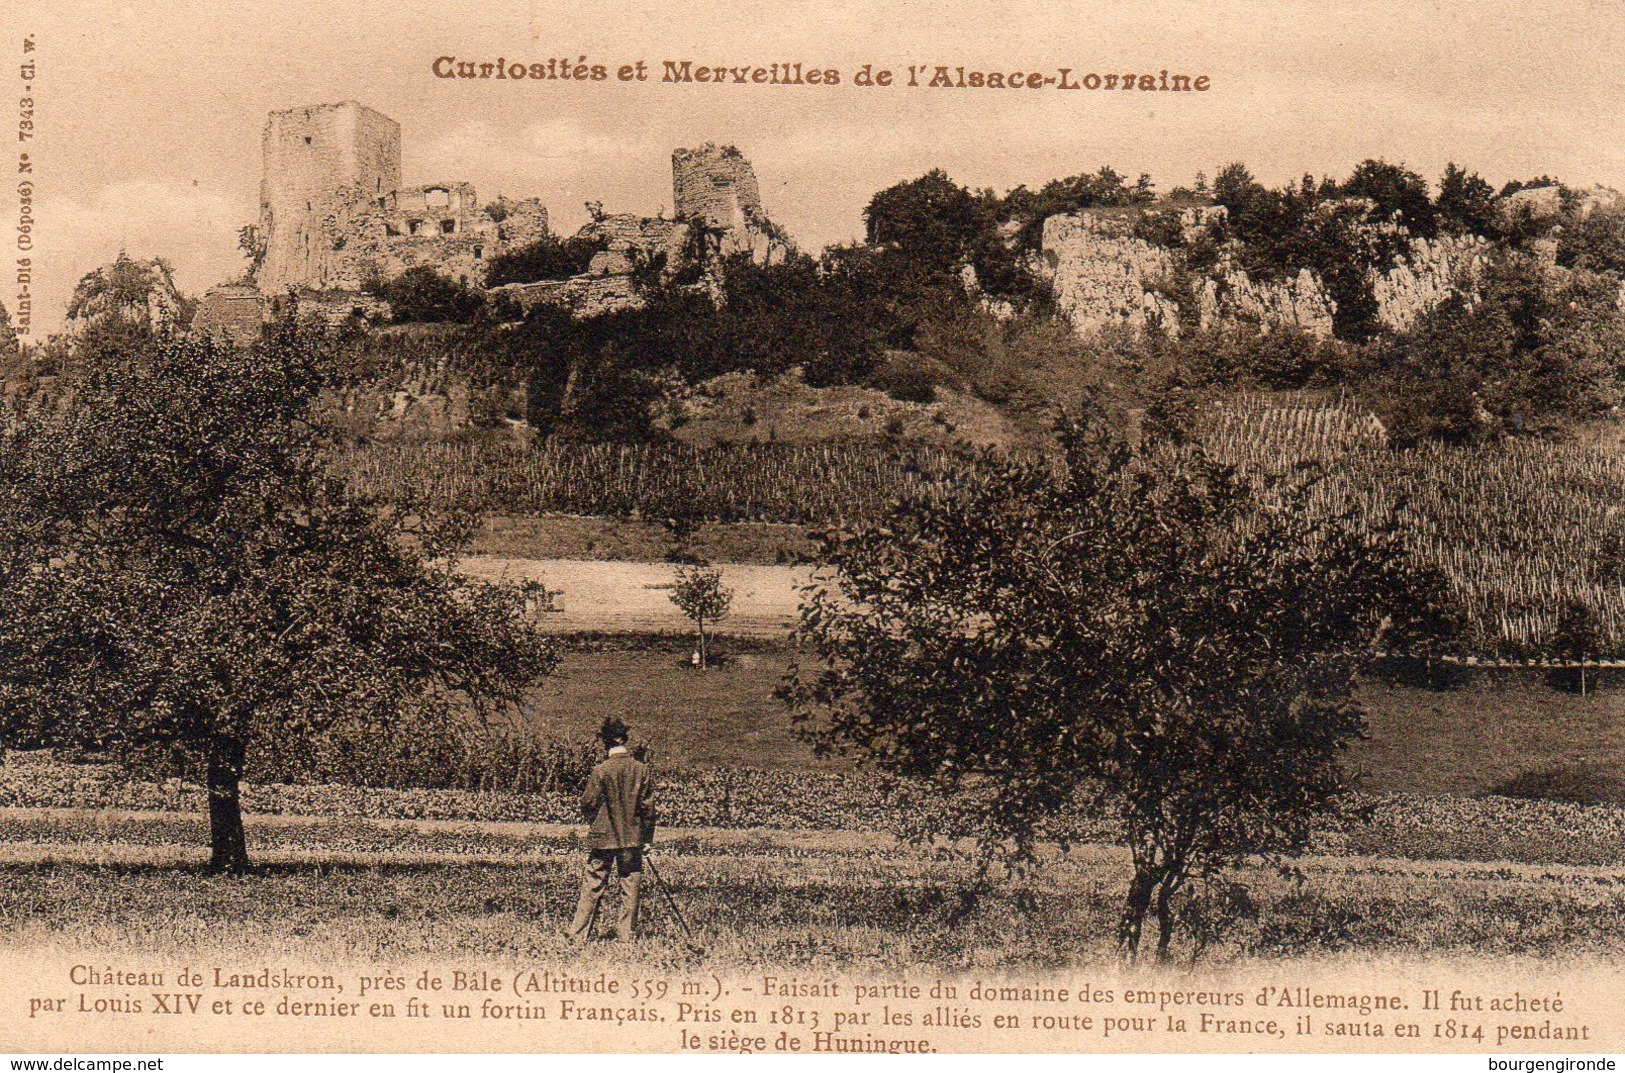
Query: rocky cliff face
point(1432, 271)
point(1105, 273)
point(1228, 295)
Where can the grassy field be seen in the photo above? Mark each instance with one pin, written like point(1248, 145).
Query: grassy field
point(1466, 741)
point(853, 903)
point(724, 716)
point(781, 858)
point(1422, 741)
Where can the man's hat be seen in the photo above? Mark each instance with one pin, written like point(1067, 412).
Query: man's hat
point(613, 732)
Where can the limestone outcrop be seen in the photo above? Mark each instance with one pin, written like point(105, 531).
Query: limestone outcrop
point(1431, 271)
point(1103, 275)
point(1105, 271)
point(1229, 295)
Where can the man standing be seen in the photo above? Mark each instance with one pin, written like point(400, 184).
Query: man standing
point(619, 803)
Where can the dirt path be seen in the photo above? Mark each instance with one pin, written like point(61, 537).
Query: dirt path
point(626, 597)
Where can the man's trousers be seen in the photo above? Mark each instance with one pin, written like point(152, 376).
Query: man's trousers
point(628, 864)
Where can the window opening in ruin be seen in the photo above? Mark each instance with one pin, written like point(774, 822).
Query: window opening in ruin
point(448, 226)
point(391, 229)
point(412, 226)
point(479, 251)
point(307, 139)
point(437, 197)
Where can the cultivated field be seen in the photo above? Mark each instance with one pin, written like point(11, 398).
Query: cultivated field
point(1520, 528)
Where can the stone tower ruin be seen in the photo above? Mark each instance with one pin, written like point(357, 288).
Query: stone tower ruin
point(334, 216)
point(321, 162)
point(715, 187)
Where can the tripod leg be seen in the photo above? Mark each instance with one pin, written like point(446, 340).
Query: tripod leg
point(671, 903)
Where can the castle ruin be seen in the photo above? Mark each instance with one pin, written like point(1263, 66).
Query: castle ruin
point(335, 220)
point(335, 216)
point(718, 215)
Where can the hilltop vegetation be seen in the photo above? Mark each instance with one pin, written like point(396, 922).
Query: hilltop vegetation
point(877, 359)
point(949, 292)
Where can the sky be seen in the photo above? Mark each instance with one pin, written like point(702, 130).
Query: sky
point(148, 115)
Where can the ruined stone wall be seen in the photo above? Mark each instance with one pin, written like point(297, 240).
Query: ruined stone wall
point(321, 164)
point(584, 296)
point(519, 223)
point(335, 216)
point(232, 312)
point(435, 209)
point(639, 237)
point(717, 185)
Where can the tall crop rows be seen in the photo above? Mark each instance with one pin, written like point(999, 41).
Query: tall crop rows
point(1521, 528)
point(805, 485)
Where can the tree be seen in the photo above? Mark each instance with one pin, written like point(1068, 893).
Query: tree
point(700, 594)
point(931, 220)
point(128, 295)
point(1593, 238)
point(1397, 194)
point(9, 346)
point(546, 258)
point(1147, 633)
point(180, 568)
point(1466, 203)
point(252, 243)
point(1532, 350)
point(1577, 640)
point(424, 295)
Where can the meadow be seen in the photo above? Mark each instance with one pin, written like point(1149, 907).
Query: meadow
point(857, 909)
point(782, 858)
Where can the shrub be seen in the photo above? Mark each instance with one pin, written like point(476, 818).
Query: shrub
point(422, 294)
point(1575, 784)
point(546, 258)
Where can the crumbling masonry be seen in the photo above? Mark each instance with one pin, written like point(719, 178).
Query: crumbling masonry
point(335, 219)
point(334, 215)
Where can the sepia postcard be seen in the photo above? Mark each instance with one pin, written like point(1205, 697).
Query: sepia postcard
point(900, 527)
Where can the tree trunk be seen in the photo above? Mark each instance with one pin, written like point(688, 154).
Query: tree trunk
point(1135, 909)
point(228, 847)
point(703, 654)
point(1165, 915)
